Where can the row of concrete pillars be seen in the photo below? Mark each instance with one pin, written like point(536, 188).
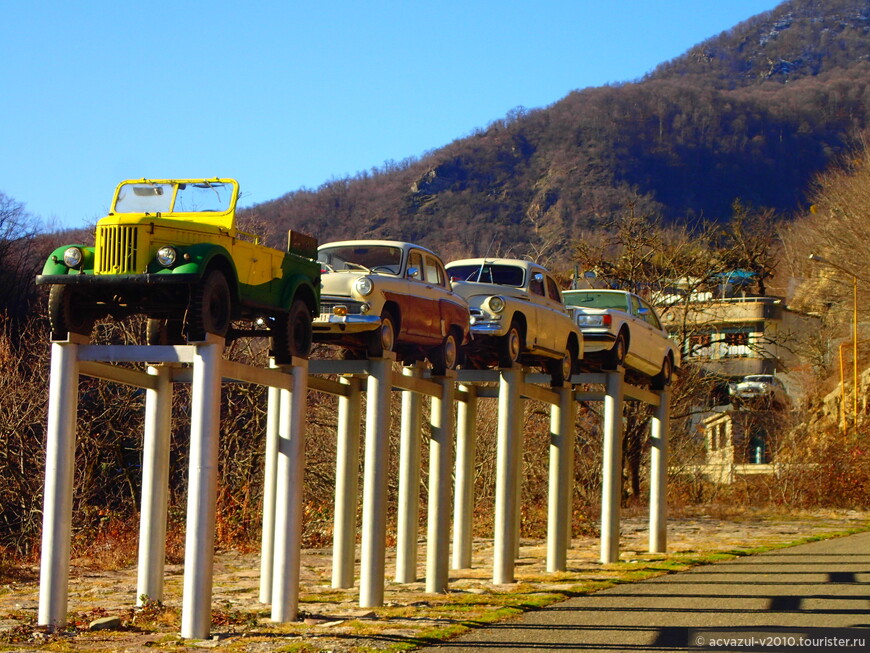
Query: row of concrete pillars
point(451, 463)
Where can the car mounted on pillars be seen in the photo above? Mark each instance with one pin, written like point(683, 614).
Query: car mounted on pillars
point(171, 250)
point(384, 295)
point(517, 315)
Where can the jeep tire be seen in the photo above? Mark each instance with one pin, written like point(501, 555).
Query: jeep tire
point(67, 315)
point(211, 307)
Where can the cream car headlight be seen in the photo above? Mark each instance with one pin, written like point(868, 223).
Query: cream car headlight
point(167, 256)
point(364, 286)
point(72, 257)
point(496, 304)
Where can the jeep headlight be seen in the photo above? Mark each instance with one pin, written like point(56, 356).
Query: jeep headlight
point(167, 256)
point(72, 257)
point(364, 286)
point(496, 304)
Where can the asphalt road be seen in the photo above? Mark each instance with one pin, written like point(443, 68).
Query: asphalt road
point(820, 590)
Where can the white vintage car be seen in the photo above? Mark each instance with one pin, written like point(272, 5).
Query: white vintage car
point(517, 315)
point(381, 295)
point(620, 328)
point(764, 390)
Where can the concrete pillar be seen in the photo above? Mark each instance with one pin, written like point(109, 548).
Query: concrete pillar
point(463, 506)
point(346, 484)
point(440, 479)
point(155, 486)
point(561, 479)
point(374, 518)
point(288, 499)
point(508, 465)
point(408, 519)
point(202, 490)
point(658, 486)
point(57, 500)
point(611, 486)
point(270, 471)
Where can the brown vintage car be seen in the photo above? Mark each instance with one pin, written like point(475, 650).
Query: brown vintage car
point(383, 295)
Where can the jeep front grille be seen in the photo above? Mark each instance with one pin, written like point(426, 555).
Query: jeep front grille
point(117, 248)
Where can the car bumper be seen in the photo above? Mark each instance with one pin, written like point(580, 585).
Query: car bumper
point(751, 395)
point(116, 280)
point(330, 323)
point(488, 329)
point(595, 340)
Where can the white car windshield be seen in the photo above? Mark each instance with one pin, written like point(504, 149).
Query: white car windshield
point(377, 258)
point(502, 275)
point(596, 300)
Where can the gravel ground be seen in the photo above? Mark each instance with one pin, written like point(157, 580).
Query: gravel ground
point(331, 620)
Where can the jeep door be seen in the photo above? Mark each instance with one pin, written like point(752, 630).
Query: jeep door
point(257, 266)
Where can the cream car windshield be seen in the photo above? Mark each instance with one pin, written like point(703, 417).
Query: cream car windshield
point(502, 275)
point(376, 258)
point(172, 197)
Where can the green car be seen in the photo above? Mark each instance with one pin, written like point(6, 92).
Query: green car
point(171, 250)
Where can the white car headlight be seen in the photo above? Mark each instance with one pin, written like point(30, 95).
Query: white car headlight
point(364, 286)
point(72, 257)
point(166, 256)
point(496, 304)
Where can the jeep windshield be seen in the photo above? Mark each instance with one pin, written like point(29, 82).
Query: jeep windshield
point(502, 275)
point(375, 258)
point(153, 197)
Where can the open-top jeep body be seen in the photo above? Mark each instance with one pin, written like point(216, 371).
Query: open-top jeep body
point(170, 249)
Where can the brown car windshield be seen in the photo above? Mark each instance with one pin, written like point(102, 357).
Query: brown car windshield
point(502, 275)
point(377, 258)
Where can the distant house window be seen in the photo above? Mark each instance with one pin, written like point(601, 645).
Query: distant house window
point(736, 343)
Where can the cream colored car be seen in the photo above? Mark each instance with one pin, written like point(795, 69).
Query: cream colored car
point(381, 295)
point(517, 315)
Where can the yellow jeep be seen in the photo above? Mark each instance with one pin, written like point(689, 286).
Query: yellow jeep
point(170, 249)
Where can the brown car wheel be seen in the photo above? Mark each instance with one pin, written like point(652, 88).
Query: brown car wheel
point(446, 356)
point(383, 339)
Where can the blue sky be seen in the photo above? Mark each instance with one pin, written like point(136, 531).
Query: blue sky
point(284, 95)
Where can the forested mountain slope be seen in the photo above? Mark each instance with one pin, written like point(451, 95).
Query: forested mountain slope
point(754, 113)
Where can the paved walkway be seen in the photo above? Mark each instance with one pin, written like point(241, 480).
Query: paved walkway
point(813, 588)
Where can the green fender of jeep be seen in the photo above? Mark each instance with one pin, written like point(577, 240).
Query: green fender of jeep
point(299, 285)
point(55, 265)
point(199, 258)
